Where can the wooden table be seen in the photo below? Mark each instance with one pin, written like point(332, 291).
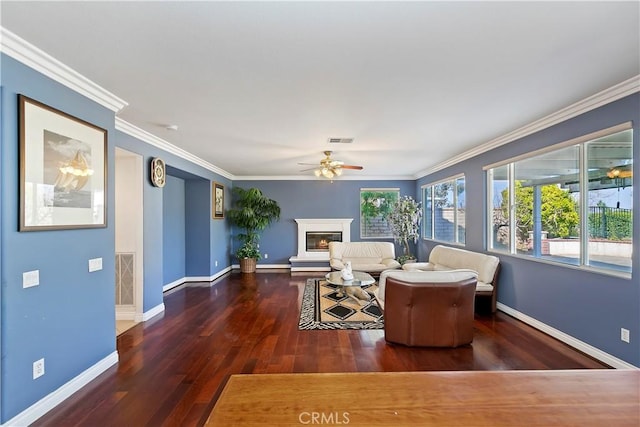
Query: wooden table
point(470, 399)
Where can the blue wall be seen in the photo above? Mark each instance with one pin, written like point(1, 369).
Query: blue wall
point(589, 306)
point(69, 318)
point(312, 199)
point(173, 230)
point(198, 202)
point(155, 244)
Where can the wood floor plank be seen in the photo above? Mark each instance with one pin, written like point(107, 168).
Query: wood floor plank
point(480, 399)
point(172, 367)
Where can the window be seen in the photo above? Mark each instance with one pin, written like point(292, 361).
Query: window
point(570, 204)
point(375, 205)
point(444, 210)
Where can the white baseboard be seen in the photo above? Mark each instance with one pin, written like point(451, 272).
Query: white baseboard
point(53, 399)
point(310, 269)
point(125, 313)
point(173, 284)
point(266, 266)
point(153, 312)
point(186, 279)
point(567, 339)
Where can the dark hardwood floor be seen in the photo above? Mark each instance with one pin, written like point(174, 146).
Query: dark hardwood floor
point(173, 367)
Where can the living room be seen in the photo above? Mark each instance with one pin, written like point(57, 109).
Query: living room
point(74, 308)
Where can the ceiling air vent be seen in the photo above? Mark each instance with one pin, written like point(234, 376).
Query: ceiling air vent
point(340, 140)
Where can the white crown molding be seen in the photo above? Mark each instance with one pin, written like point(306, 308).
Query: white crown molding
point(50, 401)
point(567, 339)
point(314, 178)
point(33, 57)
point(149, 138)
point(604, 97)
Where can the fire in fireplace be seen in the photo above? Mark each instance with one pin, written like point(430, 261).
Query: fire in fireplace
point(318, 241)
point(312, 249)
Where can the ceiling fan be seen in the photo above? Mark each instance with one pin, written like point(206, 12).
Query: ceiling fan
point(328, 167)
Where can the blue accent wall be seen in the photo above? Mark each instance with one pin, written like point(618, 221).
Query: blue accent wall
point(173, 230)
point(589, 306)
point(155, 243)
point(313, 199)
point(69, 318)
point(198, 203)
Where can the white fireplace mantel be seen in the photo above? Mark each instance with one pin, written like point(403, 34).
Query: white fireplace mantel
point(342, 225)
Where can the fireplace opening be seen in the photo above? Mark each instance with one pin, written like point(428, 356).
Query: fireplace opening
point(318, 241)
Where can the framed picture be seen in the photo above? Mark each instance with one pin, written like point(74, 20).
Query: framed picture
point(63, 170)
point(375, 204)
point(218, 200)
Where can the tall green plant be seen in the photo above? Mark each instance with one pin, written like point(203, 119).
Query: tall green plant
point(404, 221)
point(253, 212)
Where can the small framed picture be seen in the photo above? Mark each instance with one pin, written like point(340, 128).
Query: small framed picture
point(218, 200)
point(63, 170)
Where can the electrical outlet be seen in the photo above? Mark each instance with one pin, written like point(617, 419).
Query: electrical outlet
point(266, 256)
point(30, 278)
point(216, 263)
point(624, 335)
point(95, 264)
point(38, 368)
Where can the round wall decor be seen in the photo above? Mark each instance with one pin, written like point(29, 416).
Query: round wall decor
point(158, 177)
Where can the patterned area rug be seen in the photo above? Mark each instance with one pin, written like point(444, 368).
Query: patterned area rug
point(322, 308)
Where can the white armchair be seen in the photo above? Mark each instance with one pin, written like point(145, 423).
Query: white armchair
point(445, 258)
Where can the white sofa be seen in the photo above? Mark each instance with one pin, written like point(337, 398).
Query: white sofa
point(445, 258)
point(370, 257)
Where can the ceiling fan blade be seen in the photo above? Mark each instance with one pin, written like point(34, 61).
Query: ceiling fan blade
point(351, 167)
point(308, 169)
point(310, 164)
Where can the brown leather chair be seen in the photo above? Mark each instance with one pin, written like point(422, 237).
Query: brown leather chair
point(436, 311)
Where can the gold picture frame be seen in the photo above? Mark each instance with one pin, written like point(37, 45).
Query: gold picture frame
point(218, 200)
point(63, 170)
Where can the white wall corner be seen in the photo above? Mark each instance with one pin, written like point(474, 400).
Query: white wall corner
point(53, 399)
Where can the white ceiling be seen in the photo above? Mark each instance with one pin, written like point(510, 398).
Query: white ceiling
point(256, 87)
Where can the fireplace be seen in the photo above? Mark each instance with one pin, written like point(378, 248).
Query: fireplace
point(318, 241)
point(314, 236)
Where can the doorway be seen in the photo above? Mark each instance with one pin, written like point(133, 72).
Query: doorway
point(129, 180)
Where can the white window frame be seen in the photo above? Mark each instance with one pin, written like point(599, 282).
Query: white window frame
point(453, 179)
point(581, 142)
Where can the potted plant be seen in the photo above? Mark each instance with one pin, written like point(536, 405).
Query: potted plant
point(252, 212)
point(404, 221)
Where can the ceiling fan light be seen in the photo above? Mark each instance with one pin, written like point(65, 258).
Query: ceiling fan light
point(613, 173)
point(317, 172)
point(338, 171)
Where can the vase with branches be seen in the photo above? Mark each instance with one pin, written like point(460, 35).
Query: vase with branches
point(404, 221)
